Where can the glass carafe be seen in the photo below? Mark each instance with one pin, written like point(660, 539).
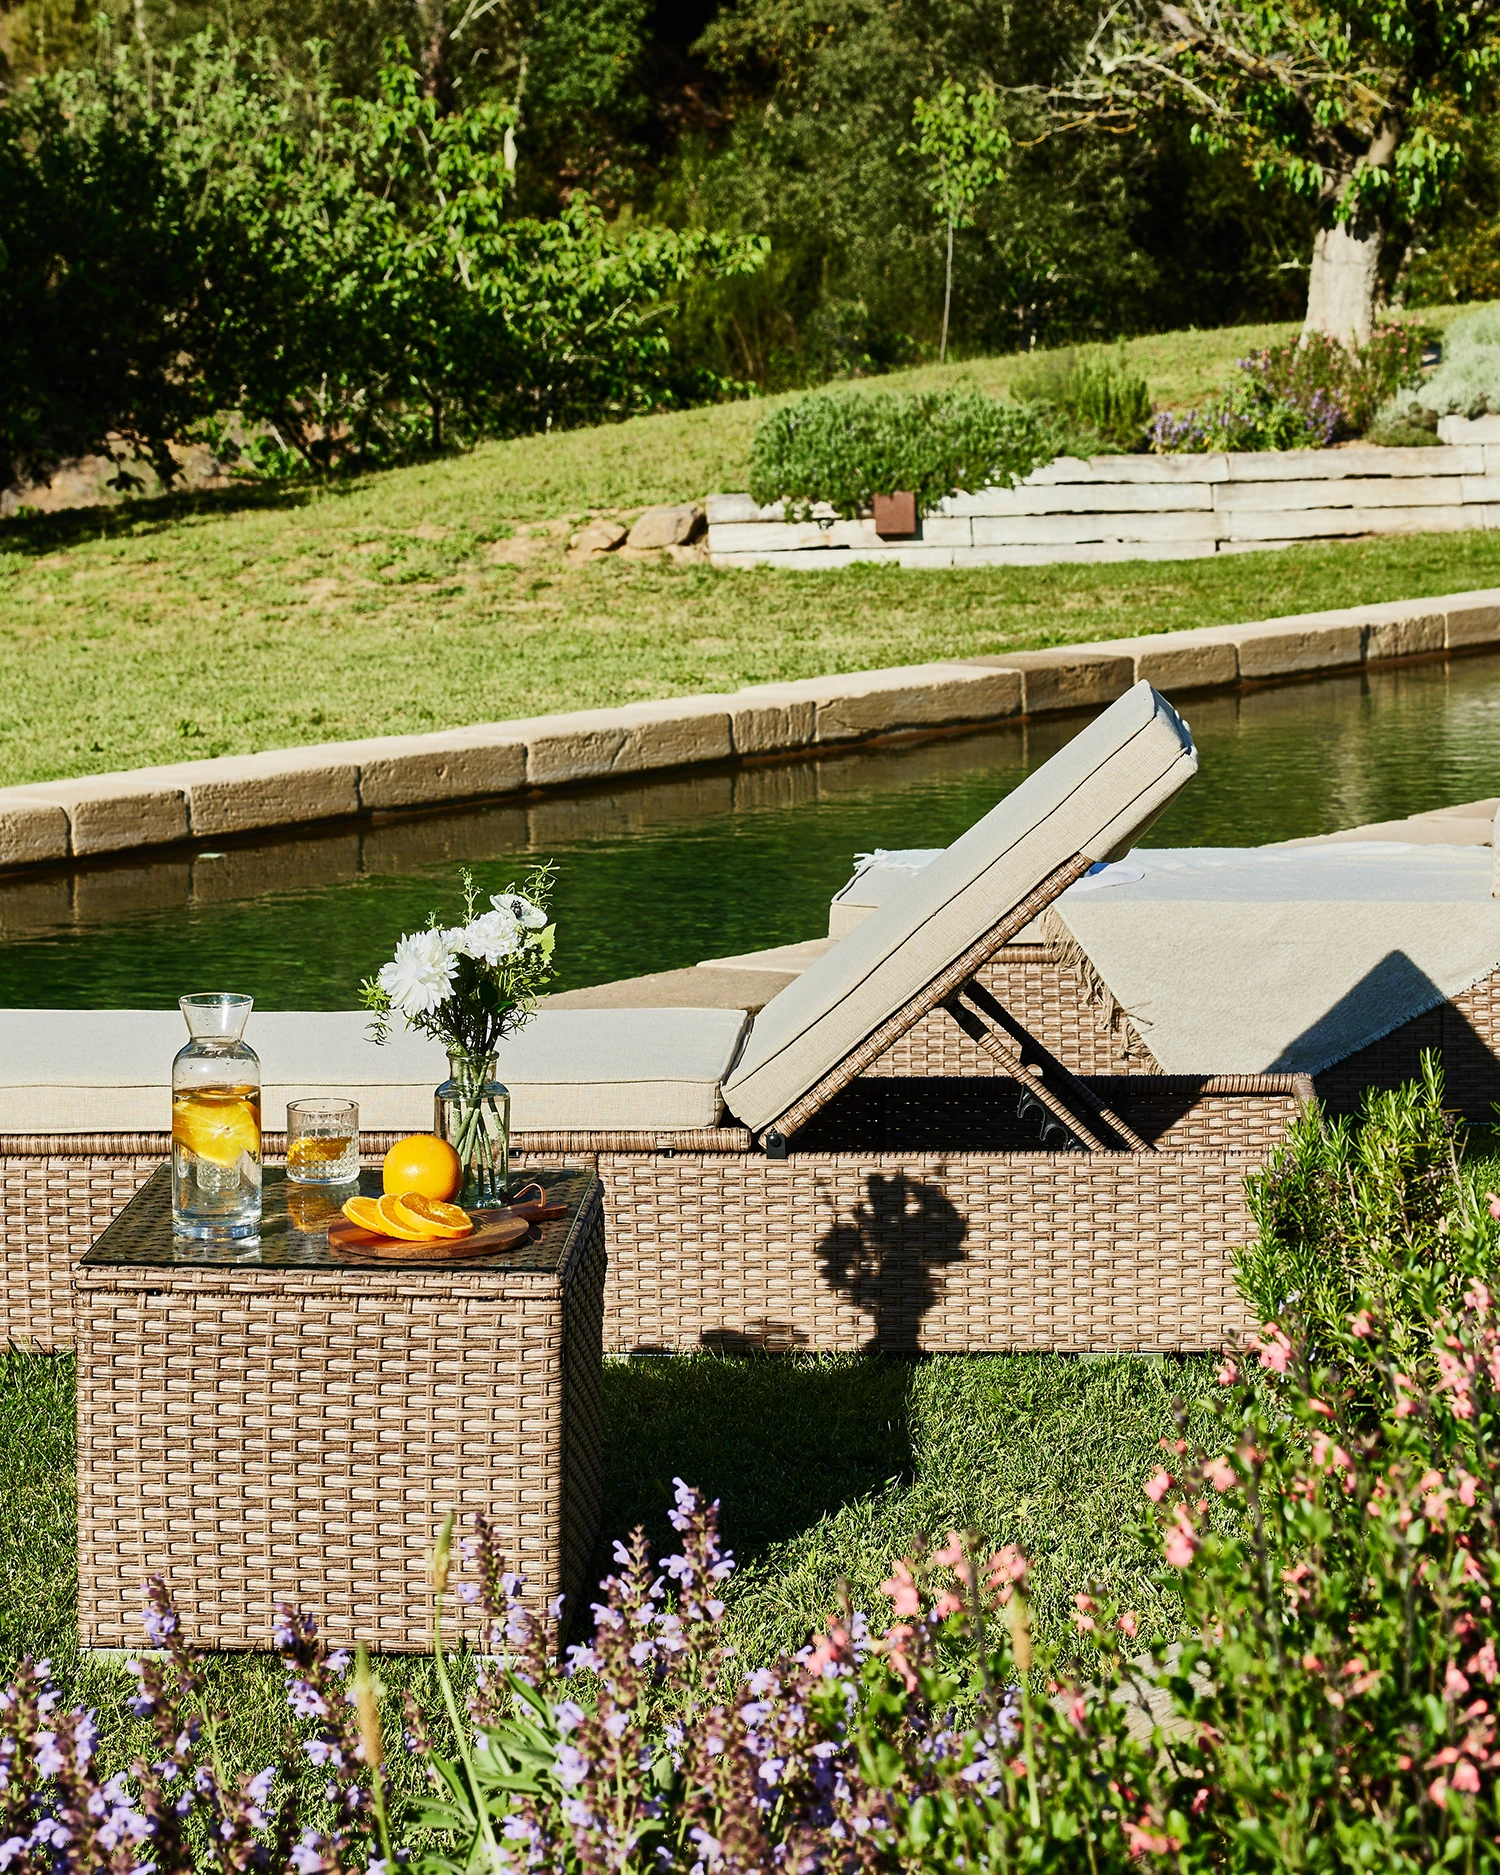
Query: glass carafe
point(216, 1122)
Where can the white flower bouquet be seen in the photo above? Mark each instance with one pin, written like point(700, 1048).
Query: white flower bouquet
point(468, 986)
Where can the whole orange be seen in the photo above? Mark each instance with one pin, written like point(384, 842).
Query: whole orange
point(422, 1163)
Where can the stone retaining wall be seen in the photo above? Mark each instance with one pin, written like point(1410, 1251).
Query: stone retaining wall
point(48, 822)
point(1144, 508)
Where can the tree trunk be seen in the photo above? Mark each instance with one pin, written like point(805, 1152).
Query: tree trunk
point(1345, 274)
point(947, 296)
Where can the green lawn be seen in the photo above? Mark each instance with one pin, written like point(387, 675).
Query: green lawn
point(436, 595)
point(828, 1468)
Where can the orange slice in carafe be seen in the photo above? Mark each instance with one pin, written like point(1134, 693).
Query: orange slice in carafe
point(216, 1124)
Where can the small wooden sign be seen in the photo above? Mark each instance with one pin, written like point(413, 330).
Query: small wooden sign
point(896, 515)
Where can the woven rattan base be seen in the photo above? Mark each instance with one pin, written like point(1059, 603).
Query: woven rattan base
point(290, 1434)
point(952, 1253)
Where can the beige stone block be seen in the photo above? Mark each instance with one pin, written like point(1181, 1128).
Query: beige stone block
point(1068, 677)
point(1088, 553)
point(1404, 631)
point(1427, 491)
point(116, 813)
point(915, 696)
point(1472, 618)
point(1300, 465)
point(790, 536)
point(416, 771)
point(588, 745)
point(1092, 497)
point(1104, 469)
point(282, 788)
point(1174, 667)
point(31, 831)
point(666, 527)
point(1280, 647)
point(1068, 529)
point(597, 537)
point(766, 718)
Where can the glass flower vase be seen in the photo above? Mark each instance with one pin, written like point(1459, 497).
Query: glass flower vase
point(472, 1112)
point(216, 1145)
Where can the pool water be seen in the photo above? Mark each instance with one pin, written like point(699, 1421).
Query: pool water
point(659, 875)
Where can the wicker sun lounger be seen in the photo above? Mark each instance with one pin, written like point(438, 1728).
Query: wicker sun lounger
point(805, 1180)
point(1344, 960)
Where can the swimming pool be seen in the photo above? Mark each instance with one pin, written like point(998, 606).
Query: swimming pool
point(656, 876)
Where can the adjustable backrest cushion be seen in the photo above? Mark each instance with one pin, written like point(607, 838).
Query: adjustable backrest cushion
point(1094, 797)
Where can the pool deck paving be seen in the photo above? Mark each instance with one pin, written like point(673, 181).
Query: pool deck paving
point(46, 823)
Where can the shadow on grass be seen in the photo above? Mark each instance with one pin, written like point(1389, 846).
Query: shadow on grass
point(50, 533)
point(780, 1440)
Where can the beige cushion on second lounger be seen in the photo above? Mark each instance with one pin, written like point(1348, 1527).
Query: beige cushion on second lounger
point(1094, 797)
point(110, 1070)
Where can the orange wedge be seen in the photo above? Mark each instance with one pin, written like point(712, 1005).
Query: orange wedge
point(396, 1223)
point(431, 1215)
point(366, 1213)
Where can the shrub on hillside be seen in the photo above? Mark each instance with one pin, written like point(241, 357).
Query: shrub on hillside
point(1467, 382)
point(206, 235)
point(846, 446)
point(1328, 1703)
point(1305, 394)
point(1103, 404)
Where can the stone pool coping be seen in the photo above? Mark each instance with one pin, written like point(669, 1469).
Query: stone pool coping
point(94, 815)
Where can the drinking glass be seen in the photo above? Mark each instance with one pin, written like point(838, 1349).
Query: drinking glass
point(216, 1122)
point(322, 1142)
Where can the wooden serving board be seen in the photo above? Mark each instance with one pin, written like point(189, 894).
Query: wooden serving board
point(494, 1231)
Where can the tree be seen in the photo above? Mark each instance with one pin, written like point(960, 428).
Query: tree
point(961, 135)
point(1360, 104)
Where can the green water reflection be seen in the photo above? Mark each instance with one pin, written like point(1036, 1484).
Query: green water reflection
point(656, 877)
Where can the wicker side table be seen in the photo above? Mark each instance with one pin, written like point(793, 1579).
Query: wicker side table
point(281, 1423)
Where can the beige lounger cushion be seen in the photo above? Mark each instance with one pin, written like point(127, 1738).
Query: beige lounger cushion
point(1094, 797)
point(109, 1071)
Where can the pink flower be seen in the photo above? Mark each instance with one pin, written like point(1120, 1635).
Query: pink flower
point(1477, 1295)
point(1157, 1486)
point(1220, 1474)
point(1362, 1325)
point(1454, 1683)
point(1485, 1664)
point(1182, 1541)
point(1007, 1565)
point(1272, 1346)
point(1141, 1839)
point(1078, 1711)
point(1200, 1801)
point(948, 1604)
point(1494, 1204)
point(1083, 1618)
point(951, 1555)
point(1468, 1484)
point(1438, 1791)
point(902, 1589)
point(1406, 1389)
point(1128, 1625)
point(1466, 1777)
point(1228, 1372)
